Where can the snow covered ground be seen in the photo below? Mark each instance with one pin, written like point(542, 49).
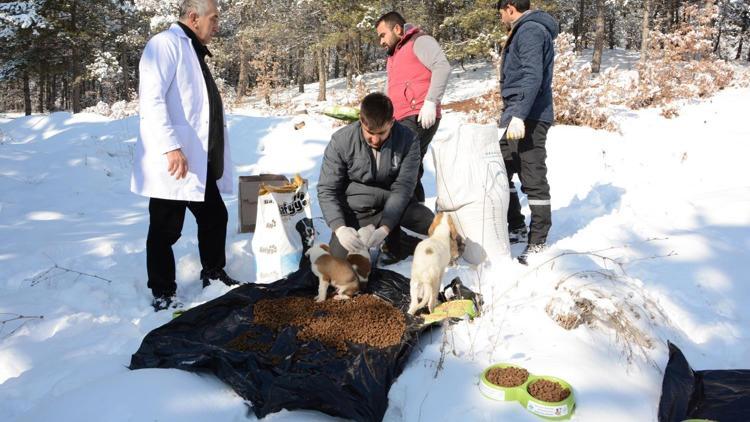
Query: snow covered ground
point(651, 226)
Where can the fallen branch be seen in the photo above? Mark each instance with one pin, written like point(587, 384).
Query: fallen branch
point(56, 270)
point(16, 317)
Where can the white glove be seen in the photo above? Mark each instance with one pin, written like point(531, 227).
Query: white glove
point(378, 236)
point(516, 129)
point(365, 233)
point(427, 114)
point(349, 239)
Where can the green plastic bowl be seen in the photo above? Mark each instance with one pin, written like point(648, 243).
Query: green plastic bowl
point(548, 410)
point(496, 392)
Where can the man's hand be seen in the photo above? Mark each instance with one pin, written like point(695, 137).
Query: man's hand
point(516, 129)
point(178, 165)
point(349, 239)
point(427, 114)
point(378, 236)
point(365, 233)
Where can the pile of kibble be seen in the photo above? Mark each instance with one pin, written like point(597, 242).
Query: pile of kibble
point(507, 377)
point(364, 319)
point(548, 391)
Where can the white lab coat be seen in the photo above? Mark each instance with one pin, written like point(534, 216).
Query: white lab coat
point(174, 113)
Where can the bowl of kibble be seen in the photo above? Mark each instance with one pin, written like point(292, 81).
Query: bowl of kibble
point(502, 381)
point(547, 397)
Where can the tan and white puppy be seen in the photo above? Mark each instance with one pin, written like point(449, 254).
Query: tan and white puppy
point(360, 259)
point(431, 257)
point(331, 270)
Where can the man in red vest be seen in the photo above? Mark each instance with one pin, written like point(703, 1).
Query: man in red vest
point(417, 73)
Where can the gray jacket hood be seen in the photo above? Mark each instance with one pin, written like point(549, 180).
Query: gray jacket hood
point(539, 17)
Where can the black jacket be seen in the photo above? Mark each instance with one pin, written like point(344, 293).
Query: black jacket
point(528, 62)
point(348, 177)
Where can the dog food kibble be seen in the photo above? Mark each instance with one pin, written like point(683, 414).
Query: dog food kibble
point(548, 391)
point(364, 319)
point(507, 377)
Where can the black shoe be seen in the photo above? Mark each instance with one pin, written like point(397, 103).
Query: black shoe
point(531, 249)
point(519, 235)
point(386, 258)
point(220, 274)
point(165, 301)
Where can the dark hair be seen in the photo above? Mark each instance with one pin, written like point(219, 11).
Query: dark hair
point(520, 5)
point(376, 110)
point(391, 19)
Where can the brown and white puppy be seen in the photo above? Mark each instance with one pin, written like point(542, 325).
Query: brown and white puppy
point(331, 270)
point(360, 259)
point(431, 257)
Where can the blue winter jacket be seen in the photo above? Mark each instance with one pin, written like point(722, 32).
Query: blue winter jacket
point(528, 61)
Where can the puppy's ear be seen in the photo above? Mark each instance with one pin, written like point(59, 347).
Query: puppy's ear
point(325, 247)
point(435, 223)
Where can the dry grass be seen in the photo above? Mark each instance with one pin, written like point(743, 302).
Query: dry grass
point(611, 302)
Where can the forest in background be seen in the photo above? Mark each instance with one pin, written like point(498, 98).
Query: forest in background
point(70, 55)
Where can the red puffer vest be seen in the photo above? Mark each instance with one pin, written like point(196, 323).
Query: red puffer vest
point(408, 78)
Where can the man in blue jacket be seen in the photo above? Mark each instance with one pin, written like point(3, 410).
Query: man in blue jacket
point(526, 88)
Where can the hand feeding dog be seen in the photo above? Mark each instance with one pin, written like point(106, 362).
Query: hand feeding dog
point(334, 271)
point(360, 259)
point(431, 257)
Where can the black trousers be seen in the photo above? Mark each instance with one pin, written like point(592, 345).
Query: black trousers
point(416, 218)
point(527, 158)
point(425, 137)
point(166, 218)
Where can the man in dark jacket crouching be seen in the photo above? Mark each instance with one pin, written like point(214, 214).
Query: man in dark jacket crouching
point(368, 176)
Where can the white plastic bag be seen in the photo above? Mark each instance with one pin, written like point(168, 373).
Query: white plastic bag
point(283, 230)
point(472, 185)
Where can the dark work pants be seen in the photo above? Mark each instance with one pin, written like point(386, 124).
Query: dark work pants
point(527, 158)
point(166, 218)
point(416, 218)
point(425, 137)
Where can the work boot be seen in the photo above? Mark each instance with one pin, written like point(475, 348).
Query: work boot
point(519, 235)
point(531, 249)
point(220, 274)
point(165, 301)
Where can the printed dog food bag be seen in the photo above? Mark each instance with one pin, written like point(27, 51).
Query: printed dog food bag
point(283, 229)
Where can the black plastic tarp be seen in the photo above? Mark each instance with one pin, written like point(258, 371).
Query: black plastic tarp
point(720, 395)
point(282, 372)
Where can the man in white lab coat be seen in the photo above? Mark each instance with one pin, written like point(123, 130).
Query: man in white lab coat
point(182, 158)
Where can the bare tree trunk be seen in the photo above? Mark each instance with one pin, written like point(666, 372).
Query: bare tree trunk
point(581, 37)
point(349, 65)
point(358, 54)
point(51, 92)
point(611, 33)
point(40, 90)
point(26, 93)
point(596, 61)
point(301, 70)
point(125, 95)
point(66, 94)
point(76, 72)
point(644, 30)
point(743, 29)
point(242, 78)
point(674, 13)
point(322, 74)
point(336, 63)
point(717, 42)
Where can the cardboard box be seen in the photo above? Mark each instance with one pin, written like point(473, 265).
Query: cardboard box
point(248, 197)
